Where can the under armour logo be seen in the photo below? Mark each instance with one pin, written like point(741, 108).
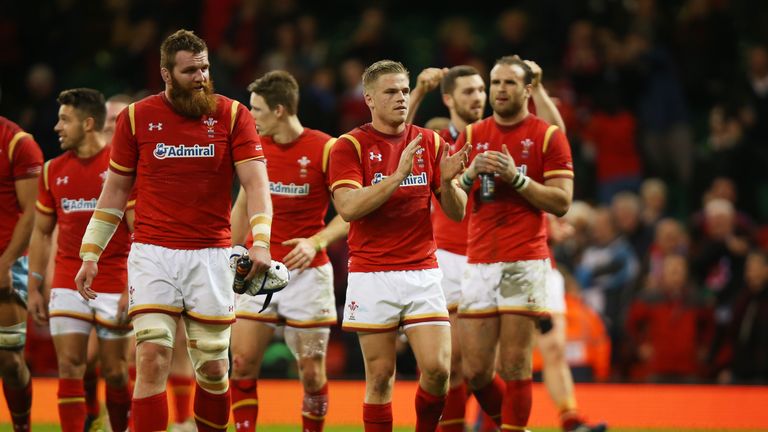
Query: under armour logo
point(481, 146)
point(62, 180)
point(155, 126)
point(372, 156)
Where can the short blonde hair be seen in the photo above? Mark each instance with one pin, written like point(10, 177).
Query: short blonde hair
point(382, 67)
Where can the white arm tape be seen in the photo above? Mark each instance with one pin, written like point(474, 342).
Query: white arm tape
point(100, 230)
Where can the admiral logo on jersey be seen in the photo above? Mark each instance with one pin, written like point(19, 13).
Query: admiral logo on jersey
point(411, 180)
point(163, 151)
point(78, 205)
point(291, 189)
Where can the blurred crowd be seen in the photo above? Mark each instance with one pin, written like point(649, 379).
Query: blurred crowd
point(665, 102)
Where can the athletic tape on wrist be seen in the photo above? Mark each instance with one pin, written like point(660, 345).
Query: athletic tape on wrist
point(261, 229)
point(101, 228)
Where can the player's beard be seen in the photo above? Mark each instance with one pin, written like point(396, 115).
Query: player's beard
point(193, 103)
point(511, 110)
point(468, 115)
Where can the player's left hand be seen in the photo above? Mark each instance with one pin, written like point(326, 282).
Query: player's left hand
point(302, 254)
point(453, 165)
point(261, 259)
point(502, 163)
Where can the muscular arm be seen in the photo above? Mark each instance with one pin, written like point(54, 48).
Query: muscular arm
point(546, 108)
point(428, 80)
point(239, 219)
point(39, 250)
point(26, 193)
point(554, 196)
point(353, 204)
point(116, 190)
point(304, 250)
point(253, 177)
point(453, 201)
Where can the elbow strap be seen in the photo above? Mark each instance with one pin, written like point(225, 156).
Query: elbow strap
point(100, 230)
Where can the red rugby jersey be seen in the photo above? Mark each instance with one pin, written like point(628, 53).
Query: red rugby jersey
point(69, 189)
point(449, 234)
point(299, 189)
point(184, 169)
point(20, 158)
point(510, 228)
point(397, 235)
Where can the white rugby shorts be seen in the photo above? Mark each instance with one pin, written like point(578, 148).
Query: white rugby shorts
point(70, 313)
point(555, 292)
point(306, 302)
point(384, 301)
point(196, 282)
point(517, 287)
point(452, 265)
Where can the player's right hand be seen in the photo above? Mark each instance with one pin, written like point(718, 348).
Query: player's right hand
point(405, 166)
point(261, 259)
point(429, 79)
point(84, 279)
point(37, 307)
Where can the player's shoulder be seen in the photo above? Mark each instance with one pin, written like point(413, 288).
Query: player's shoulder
point(314, 138)
point(540, 125)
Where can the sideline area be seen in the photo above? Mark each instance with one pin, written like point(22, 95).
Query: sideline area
point(621, 405)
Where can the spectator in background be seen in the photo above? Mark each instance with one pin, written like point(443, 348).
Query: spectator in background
point(352, 108)
point(626, 210)
point(748, 335)
point(581, 62)
point(669, 329)
point(670, 238)
point(610, 136)
point(608, 270)
point(653, 194)
point(718, 263)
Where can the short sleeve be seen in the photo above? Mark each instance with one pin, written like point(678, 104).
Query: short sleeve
point(245, 141)
point(344, 168)
point(124, 156)
point(557, 155)
point(45, 203)
point(27, 158)
point(438, 145)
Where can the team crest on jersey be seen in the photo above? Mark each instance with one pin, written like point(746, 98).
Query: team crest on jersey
point(290, 189)
point(527, 143)
point(303, 164)
point(103, 176)
point(420, 157)
point(210, 122)
point(411, 180)
point(78, 205)
point(164, 151)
